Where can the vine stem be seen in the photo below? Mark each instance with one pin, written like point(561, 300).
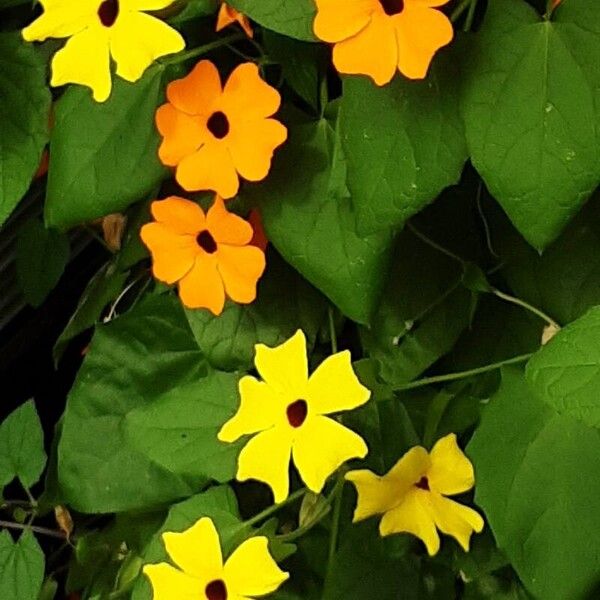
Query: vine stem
point(536, 311)
point(459, 10)
point(463, 374)
point(335, 522)
point(332, 333)
point(271, 510)
point(470, 16)
point(200, 50)
point(41, 530)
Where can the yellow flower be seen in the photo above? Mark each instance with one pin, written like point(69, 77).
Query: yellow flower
point(99, 29)
point(411, 496)
point(250, 570)
point(287, 412)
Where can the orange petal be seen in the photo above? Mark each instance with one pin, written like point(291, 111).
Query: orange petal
point(338, 20)
point(203, 287)
point(421, 32)
point(240, 268)
point(229, 15)
point(210, 168)
point(246, 96)
point(426, 3)
point(180, 215)
point(226, 227)
point(372, 52)
point(173, 254)
point(252, 144)
point(197, 92)
point(182, 134)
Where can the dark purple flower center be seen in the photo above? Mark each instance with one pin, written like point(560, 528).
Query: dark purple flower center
point(423, 484)
point(296, 412)
point(218, 124)
point(392, 7)
point(206, 241)
point(216, 590)
point(108, 12)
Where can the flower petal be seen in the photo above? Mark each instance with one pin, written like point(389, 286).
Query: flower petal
point(427, 3)
point(183, 134)
point(196, 93)
point(335, 387)
point(173, 254)
point(202, 287)
point(260, 409)
point(210, 168)
point(252, 144)
point(197, 550)
point(84, 59)
point(372, 52)
point(266, 458)
point(241, 267)
point(179, 214)
point(167, 582)
point(421, 32)
point(375, 495)
point(229, 15)
point(321, 446)
point(412, 517)
point(338, 20)
point(251, 571)
point(285, 367)
point(454, 519)
point(138, 39)
point(61, 18)
point(147, 4)
point(247, 96)
point(451, 472)
point(227, 227)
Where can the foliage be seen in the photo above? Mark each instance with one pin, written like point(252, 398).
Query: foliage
point(443, 232)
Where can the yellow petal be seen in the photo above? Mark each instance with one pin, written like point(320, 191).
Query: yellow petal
point(334, 386)
point(260, 409)
point(168, 583)
point(408, 470)
point(421, 32)
point(85, 60)
point(412, 517)
point(196, 551)
point(147, 4)
point(266, 458)
point(321, 446)
point(285, 367)
point(251, 571)
point(451, 472)
point(372, 52)
point(455, 519)
point(338, 20)
point(62, 18)
point(137, 40)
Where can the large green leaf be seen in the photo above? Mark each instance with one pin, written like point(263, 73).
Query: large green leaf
point(308, 216)
point(537, 481)
point(104, 156)
point(423, 312)
point(293, 18)
point(24, 118)
point(21, 567)
point(404, 143)
point(566, 372)
point(42, 256)
point(285, 302)
point(22, 446)
point(132, 362)
point(532, 111)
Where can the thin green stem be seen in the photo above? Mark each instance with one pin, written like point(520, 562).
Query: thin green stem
point(41, 530)
point(335, 521)
point(434, 245)
point(470, 16)
point(459, 10)
point(98, 238)
point(462, 374)
point(532, 309)
point(271, 510)
point(332, 333)
point(200, 50)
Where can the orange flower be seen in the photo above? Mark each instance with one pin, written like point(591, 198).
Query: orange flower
point(209, 256)
point(374, 37)
point(229, 15)
point(213, 134)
